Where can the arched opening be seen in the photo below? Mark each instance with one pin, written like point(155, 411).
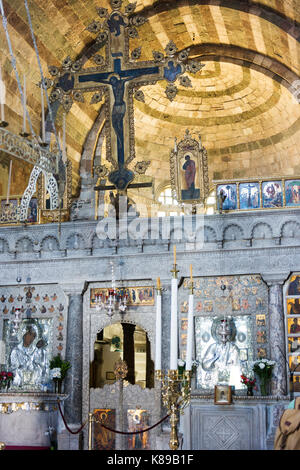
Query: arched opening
point(128, 342)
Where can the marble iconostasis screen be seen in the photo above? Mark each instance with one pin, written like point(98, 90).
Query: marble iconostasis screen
point(248, 307)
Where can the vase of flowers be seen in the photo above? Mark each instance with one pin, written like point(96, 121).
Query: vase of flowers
point(59, 368)
point(56, 377)
point(5, 380)
point(250, 384)
point(264, 368)
point(181, 367)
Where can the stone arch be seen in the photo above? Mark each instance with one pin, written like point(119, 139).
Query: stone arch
point(233, 232)
point(209, 234)
point(49, 243)
point(246, 58)
point(206, 234)
point(24, 245)
point(118, 321)
point(101, 321)
point(290, 229)
point(75, 242)
point(266, 12)
point(261, 230)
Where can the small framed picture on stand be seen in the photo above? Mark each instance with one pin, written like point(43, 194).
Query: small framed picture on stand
point(223, 395)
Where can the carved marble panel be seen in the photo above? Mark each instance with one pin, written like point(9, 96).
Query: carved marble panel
point(229, 427)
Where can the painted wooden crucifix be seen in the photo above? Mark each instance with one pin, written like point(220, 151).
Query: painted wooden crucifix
point(118, 78)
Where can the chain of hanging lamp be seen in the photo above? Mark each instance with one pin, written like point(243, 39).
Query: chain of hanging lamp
point(17, 145)
point(32, 151)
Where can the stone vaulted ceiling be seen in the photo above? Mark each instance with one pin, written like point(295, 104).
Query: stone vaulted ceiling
point(240, 102)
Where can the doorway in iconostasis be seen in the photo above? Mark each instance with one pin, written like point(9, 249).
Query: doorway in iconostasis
point(128, 342)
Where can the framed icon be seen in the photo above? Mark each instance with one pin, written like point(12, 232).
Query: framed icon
point(189, 170)
point(223, 395)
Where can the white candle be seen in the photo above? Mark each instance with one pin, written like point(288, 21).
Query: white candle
point(24, 105)
point(158, 330)
point(174, 326)
point(43, 115)
point(9, 182)
point(190, 331)
point(2, 96)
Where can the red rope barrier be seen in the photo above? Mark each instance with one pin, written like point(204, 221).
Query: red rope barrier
point(133, 432)
point(109, 429)
point(63, 418)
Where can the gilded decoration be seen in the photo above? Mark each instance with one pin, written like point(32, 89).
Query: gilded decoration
point(28, 151)
point(137, 296)
point(189, 170)
point(48, 213)
point(120, 370)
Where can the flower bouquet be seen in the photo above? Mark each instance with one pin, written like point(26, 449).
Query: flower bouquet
point(181, 367)
point(58, 363)
point(5, 379)
point(264, 368)
point(250, 384)
point(59, 368)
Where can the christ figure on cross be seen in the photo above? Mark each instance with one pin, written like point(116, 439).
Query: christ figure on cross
point(117, 79)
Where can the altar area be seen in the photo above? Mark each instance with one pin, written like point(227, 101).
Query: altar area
point(262, 282)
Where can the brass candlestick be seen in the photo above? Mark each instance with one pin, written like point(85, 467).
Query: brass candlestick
point(174, 271)
point(91, 420)
point(176, 395)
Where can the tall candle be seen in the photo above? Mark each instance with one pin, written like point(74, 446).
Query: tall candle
point(191, 272)
point(174, 254)
point(43, 115)
point(2, 96)
point(158, 330)
point(158, 283)
point(174, 326)
point(9, 182)
point(190, 331)
point(24, 105)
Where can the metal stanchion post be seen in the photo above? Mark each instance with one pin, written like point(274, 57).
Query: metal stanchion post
point(91, 419)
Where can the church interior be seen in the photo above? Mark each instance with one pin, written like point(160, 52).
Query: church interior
point(149, 231)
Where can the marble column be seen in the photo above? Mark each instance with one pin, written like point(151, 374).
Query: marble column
point(74, 341)
point(277, 332)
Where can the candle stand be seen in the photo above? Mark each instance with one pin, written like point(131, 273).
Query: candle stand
point(176, 395)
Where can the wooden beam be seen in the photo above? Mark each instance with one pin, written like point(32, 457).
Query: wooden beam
point(130, 186)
